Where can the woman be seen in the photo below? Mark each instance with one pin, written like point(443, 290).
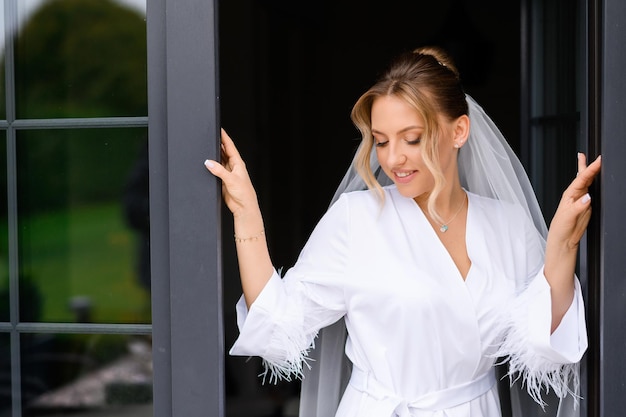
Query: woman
point(434, 278)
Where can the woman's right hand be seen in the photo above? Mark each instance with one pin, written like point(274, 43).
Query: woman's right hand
point(255, 265)
point(237, 189)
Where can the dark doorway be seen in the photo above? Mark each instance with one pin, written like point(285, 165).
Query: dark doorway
point(290, 73)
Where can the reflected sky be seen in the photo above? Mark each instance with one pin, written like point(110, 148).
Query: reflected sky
point(31, 5)
point(27, 7)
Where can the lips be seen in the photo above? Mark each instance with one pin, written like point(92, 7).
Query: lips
point(403, 176)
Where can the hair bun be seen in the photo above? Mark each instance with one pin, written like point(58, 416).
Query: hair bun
point(439, 55)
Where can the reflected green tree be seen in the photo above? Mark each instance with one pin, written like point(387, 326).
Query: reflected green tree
point(81, 58)
point(75, 59)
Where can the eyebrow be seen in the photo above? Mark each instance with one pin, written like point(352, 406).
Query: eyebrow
point(406, 129)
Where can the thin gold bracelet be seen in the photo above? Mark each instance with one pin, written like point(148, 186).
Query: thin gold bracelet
point(251, 238)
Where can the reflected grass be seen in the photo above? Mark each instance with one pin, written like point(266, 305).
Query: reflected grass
point(86, 252)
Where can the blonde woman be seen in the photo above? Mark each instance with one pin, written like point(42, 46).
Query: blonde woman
point(435, 258)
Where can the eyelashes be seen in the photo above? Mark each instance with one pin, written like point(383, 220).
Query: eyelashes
point(409, 142)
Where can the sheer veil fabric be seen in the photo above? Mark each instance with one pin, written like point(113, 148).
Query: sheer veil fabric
point(488, 167)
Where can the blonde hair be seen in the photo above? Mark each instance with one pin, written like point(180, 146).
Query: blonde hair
point(428, 81)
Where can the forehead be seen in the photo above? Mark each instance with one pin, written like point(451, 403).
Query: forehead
point(391, 113)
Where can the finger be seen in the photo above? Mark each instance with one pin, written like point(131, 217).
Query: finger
point(587, 174)
point(585, 201)
point(216, 169)
point(581, 162)
point(581, 226)
point(225, 159)
point(223, 156)
point(578, 206)
point(581, 213)
point(230, 150)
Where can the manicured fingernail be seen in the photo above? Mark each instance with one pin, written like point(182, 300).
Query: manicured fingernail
point(209, 164)
point(586, 198)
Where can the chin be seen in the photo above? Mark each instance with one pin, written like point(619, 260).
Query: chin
point(411, 192)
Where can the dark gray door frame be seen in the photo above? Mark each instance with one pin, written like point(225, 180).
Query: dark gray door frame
point(607, 286)
point(188, 351)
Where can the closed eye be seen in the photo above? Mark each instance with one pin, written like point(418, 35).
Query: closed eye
point(381, 144)
point(414, 141)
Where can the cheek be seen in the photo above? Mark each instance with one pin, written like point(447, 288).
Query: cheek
point(381, 156)
point(446, 158)
point(447, 151)
point(415, 155)
point(383, 161)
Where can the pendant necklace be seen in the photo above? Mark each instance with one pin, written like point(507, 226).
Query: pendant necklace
point(444, 227)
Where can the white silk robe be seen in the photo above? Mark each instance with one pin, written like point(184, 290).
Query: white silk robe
point(415, 327)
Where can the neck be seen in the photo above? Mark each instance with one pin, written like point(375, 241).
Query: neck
point(448, 201)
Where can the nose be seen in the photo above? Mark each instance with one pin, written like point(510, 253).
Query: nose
point(395, 154)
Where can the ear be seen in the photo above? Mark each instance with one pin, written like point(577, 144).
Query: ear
point(461, 130)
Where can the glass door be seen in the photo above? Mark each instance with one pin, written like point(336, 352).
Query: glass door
point(75, 321)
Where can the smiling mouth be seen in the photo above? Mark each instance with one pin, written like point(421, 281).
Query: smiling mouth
point(403, 174)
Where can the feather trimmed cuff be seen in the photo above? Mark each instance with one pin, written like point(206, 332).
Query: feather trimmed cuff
point(274, 329)
point(543, 361)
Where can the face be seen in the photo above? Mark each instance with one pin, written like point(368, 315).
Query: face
point(397, 130)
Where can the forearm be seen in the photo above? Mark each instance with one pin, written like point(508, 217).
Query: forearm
point(255, 265)
point(566, 229)
point(559, 270)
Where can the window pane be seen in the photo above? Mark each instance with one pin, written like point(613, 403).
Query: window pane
point(2, 85)
point(80, 58)
point(4, 234)
point(5, 374)
point(86, 375)
point(83, 225)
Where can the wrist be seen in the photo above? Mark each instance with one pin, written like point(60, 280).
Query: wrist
point(245, 212)
point(250, 238)
point(248, 223)
point(561, 246)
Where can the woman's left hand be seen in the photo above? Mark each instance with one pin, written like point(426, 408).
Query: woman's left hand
point(566, 229)
point(574, 211)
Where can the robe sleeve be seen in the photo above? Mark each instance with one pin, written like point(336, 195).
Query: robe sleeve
point(283, 322)
point(543, 360)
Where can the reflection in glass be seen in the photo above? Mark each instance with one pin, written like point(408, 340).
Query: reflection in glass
point(138, 5)
point(5, 374)
point(83, 225)
point(4, 232)
point(2, 78)
point(77, 58)
point(91, 373)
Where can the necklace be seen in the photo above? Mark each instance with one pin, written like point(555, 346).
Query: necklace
point(444, 227)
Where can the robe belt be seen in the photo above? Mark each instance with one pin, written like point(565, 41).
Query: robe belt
point(393, 405)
